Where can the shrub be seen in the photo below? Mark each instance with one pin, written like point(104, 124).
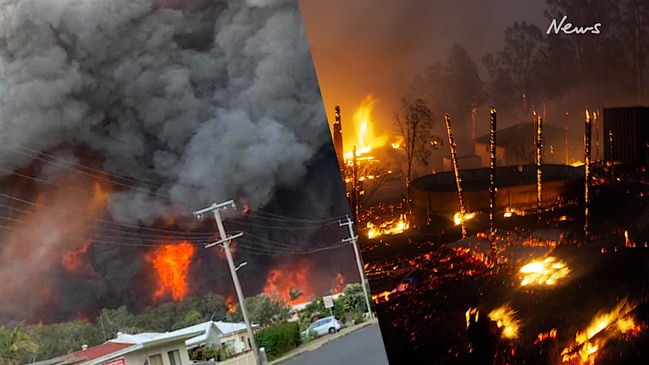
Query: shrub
point(279, 339)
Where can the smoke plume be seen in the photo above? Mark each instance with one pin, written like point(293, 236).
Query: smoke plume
point(204, 99)
point(173, 105)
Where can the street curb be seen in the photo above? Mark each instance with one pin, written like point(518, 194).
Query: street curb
point(306, 348)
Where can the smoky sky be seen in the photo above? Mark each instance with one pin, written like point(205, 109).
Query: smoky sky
point(184, 103)
point(377, 47)
point(205, 100)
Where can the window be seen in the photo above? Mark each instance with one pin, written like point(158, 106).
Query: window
point(230, 343)
point(174, 357)
point(156, 359)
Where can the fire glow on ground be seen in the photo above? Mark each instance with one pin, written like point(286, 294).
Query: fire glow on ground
point(547, 301)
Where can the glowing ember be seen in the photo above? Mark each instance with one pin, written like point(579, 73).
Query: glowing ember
point(604, 327)
point(383, 296)
point(505, 319)
point(394, 226)
point(544, 336)
point(509, 212)
point(544, 272)
point(472, 315)
point(171, 262)
point(230, 303)
point(627, 242)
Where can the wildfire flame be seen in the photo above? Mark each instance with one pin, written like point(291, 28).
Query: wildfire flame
point(506, 321)
point(544, 272)
point(171, 262)
point(364, 140)
point(394, 226)
point(281, 283)
point(604, 327)
point(458, 218)
point(230, 304)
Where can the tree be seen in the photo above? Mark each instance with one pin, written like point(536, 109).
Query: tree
point(15, 344)
point(516, 71)
point(117, 320)
point(454, 87)
point(415, 127)
point(295, 293)
point(463, 83)
point(373, 175)
point(264, 310)
point(61, 338)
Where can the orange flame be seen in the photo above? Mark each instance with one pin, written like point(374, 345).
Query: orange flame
point(394, 226)
point(383, 296)
point(230, 304)
point(604, 327)
point(548, 271)
point(364, 138)
point(544, 336)
point(505, 318)
point(171, 262)
point(281, 282)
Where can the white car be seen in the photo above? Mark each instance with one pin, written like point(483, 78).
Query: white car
point(323, 326)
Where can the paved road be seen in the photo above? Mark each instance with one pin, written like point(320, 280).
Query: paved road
point(361, 347)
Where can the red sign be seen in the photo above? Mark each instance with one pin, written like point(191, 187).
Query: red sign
point(119, 361)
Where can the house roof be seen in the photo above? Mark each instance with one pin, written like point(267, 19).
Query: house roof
point(206, 329)
point(522, 131)
point(227, 328)
point(145, 340)
point(92, 353)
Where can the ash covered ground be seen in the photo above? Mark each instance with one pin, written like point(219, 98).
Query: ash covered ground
point(426, 322)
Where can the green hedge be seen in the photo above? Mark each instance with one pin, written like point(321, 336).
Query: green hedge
point(279, 339)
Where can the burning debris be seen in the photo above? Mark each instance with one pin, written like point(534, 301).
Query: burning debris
point(603, 328)
point(394, 226)
point(548, 271)
point(505, 318)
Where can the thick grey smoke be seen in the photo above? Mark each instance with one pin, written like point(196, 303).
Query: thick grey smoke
point(192, 101)
point(206, 100)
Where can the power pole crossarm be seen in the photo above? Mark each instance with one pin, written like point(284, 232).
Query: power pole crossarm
point(354, 240)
